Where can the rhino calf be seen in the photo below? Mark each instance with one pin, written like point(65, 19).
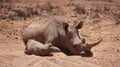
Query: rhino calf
point(37, 48)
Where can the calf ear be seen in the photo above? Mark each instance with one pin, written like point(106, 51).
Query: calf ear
point(65, 25)
point(79, 25)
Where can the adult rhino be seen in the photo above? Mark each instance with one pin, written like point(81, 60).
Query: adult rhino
point(58, 33)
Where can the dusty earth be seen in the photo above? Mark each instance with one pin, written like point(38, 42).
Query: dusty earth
point(107, 53)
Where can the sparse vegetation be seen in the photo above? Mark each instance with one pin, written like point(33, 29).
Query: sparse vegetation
point(28, 10)
point(102, 0)
point(117, 18)
point(79, 9)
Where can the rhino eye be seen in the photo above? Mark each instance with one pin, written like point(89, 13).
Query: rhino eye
point(76, 46)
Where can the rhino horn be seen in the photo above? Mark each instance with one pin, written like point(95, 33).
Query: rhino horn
point(92, 44)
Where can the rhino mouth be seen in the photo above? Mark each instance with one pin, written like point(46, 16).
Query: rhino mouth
point(85, 48)
point(86, 53)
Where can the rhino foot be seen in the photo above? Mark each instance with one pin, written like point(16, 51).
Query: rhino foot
point(54, 49)
point(28, 53)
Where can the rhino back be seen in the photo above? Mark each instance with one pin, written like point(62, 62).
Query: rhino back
point(43, 30)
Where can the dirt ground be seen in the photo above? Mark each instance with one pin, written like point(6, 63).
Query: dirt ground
point(107, 53)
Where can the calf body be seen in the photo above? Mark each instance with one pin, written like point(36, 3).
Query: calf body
point(37, 48)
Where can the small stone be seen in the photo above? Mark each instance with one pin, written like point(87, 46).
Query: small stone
point(8, 36)
point(16, 37)
point(118, 50)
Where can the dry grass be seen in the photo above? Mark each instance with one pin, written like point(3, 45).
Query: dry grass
point(24, 11)
point(117, 19)
point(4, 25)
point(79, 9)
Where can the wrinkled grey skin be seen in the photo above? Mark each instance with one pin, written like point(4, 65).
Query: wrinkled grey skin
point(37, 48)
point(56, 32)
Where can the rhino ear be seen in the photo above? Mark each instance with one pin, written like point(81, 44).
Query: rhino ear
point(79, 25)
point(65, 25)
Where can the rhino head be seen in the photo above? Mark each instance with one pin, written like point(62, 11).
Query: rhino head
point(79, 44)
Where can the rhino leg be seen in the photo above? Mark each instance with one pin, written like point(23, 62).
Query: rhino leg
point(26, 51)
point(54, 49)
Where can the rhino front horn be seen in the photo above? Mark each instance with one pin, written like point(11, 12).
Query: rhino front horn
point(92, 44)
